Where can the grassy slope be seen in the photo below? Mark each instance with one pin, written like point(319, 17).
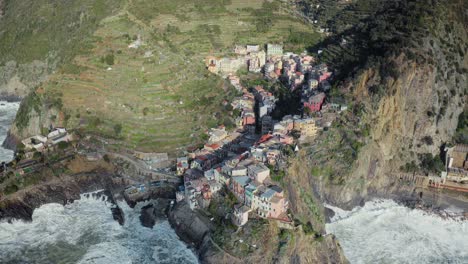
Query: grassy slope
point(49, 29)
point(164, 101)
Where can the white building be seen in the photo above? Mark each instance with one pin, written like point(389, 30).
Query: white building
point(36, 143)
point(58, 135)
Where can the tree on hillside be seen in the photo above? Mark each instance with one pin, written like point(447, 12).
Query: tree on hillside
point(118, 129)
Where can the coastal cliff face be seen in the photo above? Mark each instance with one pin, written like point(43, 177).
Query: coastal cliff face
point(406, 99)
point(38, 39)
point(63, 190)
point(275, 246)
point(16, 80)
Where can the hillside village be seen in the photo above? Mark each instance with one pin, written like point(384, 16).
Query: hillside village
point(250, 160)
point(246, 160)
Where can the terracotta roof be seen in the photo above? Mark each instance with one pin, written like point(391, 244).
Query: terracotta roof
point(213, 146)
point(264, 138)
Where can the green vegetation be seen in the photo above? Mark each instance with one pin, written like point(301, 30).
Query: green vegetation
point(277, 175)
point(50, 29)
point(9, 189)
point(461, 134)
point(159, 96)
point(409, 167)
point(431, 163)
point(117, 129)
point(62, 145)
point(322, 171)
point(314, 209)
point(399, 29)
point(30, 103)
point(108, 59)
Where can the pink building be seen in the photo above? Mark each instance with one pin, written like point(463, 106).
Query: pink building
point(278, 207)
point(258, 172)
point(315, 102)
point(273, 204)
point(248, 120)
point(324, 76)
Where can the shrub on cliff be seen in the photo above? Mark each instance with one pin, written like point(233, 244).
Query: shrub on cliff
point(12, 188)
point(431, 163)
point(63, 145)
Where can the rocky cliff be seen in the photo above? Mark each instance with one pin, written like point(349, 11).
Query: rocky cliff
point(407, 85)
point(65, 189)
point(274, 246)
point(16, 80)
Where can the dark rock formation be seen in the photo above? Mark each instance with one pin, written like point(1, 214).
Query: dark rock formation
point(22, 204)
point(118, 214)
point(188, 226)
point(156, 210)
point(10, 142)
point(167, 192)
point(10, 98)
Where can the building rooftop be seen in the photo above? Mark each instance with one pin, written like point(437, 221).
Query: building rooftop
point(193, 174)
point(241, 208)
point(276, 188)
point(317, 98)
point(257, 168)
point(268, 194)
point(242, 180)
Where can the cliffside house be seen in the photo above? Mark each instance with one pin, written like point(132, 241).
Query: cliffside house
point(240, 215)
point(258, 172)
point(314, 103)
point(182, 165)
point(58, 135)
point(35, 143)
point(307, 127)
point(272, 203)
point(238, 185)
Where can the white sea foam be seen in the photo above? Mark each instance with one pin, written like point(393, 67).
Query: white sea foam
point(85, 232)
point(7, 115)
point(384, 232)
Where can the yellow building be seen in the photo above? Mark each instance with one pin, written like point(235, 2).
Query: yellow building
point(306, 126)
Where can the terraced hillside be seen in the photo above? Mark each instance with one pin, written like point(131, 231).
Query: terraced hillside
point(157, 95)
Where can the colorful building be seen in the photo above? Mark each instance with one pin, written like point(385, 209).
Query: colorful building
point(315, 102)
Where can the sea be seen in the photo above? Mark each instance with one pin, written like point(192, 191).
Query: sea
point(7, 115)
point(84, 232)
point(383, 231)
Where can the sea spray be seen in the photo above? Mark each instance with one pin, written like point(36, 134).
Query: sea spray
point(383, 231)
point(85, 232)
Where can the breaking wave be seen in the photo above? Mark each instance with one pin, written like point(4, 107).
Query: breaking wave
point(385, 232)
point(85, 232)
